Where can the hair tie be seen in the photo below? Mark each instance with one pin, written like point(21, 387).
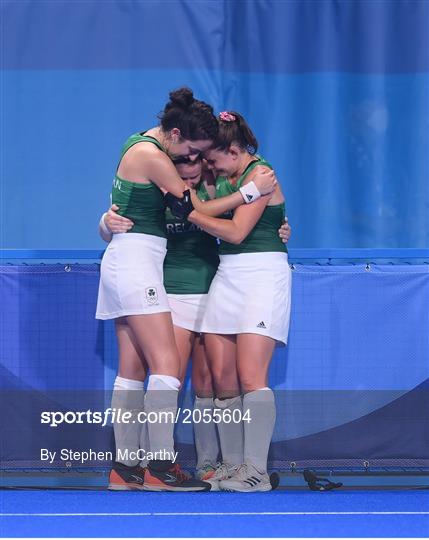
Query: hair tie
point(225, 116)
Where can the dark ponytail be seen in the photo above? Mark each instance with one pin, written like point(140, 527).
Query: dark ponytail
point(233, 128)
point(193, 117)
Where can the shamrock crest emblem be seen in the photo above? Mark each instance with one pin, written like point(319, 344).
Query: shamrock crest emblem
point(151, 295)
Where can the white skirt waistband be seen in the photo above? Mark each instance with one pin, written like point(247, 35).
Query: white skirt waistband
point(149, 240)
point(264, 259)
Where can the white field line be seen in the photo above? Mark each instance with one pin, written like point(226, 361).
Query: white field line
point(141, 514)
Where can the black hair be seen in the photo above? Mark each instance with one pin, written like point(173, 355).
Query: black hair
point(234, 129)
point(193, 117)
point(184, 160)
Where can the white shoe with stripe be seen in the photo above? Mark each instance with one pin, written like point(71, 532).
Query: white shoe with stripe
point(246, 479)
point(222, 472)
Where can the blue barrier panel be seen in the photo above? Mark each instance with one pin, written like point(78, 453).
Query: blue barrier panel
point(352, 385)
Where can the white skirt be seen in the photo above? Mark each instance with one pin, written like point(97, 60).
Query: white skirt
point(131, 276)
point(187, 310)
point(250, 294)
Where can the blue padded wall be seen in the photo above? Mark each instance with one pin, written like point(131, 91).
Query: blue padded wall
point(336, 91)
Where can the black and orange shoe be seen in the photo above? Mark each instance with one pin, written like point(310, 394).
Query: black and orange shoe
point(125, 478)
point(166, 476)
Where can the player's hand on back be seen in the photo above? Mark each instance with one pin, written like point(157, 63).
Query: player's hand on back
point(116, 223)
point(285, 231)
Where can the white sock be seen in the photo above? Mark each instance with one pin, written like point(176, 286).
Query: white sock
point(205, 434)
point(230, 433)
point(259, 431)
point(161, 397)
point(128, 395)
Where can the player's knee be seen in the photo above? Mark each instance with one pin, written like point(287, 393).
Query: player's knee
point(250, 383)
point(222, 375)
point(202, 383)
point(201, 376)
point(166, 362)
point(137, 373)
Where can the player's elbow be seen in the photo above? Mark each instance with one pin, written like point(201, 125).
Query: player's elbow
point(236, 238)
point(235, 241)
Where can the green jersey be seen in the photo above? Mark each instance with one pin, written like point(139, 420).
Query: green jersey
point(264, 235)
point(192, 254)
point(142, 203)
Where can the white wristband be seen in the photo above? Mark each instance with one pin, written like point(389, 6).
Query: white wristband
point(250, 192)
point(104, 228)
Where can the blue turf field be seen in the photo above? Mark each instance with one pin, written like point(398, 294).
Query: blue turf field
point(280, 513)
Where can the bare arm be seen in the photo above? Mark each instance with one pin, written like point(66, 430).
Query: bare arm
point(164, 174)
point(245, 217)
point(233, 230)
point(103, 230)
point(265, 181)
point(111, 223)
point(217, 207)
point(144, 162)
